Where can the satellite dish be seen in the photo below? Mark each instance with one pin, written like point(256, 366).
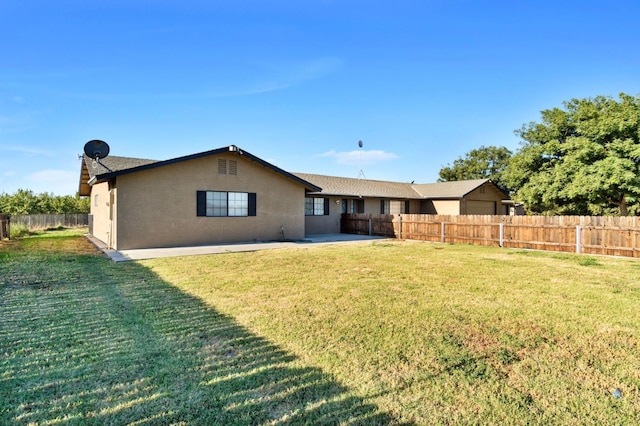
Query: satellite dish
point(96, 149)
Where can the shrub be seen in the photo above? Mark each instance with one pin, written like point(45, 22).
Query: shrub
point(19, 230)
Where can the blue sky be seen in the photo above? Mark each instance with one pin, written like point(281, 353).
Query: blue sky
point(297, 83)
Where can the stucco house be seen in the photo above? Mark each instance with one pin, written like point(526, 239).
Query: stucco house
point(229, 195)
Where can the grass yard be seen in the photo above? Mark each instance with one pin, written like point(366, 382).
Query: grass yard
point(374, 333)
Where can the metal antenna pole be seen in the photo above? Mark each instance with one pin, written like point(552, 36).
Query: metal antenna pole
point(360, 173)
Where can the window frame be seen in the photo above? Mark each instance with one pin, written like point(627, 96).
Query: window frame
point(319, 206)
point(392, 207)
point(206, 204)
point(353, 205)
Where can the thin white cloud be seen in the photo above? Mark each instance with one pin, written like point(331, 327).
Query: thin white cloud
point(281, 76)
point(263, 77)
point(271, 77)
point(355, 158)
point(311, 70)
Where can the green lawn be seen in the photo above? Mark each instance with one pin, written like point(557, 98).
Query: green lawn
point(374, 333)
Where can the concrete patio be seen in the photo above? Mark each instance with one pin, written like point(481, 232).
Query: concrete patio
point(153, 253)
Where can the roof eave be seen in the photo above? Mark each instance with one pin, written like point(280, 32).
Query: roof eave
point(492, 183)
point(84, 188)
point(232, 148)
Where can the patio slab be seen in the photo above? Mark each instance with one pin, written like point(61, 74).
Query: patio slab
point(154, 253)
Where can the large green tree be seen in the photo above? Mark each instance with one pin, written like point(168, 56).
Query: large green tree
point(481, 163)
point(582, 159)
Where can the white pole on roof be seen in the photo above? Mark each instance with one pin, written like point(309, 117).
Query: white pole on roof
point(360, 173)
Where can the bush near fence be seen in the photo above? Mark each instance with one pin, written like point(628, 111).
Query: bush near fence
point(607, 235)
point(44, 221)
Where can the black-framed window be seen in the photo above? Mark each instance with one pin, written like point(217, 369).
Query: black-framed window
point(316, 206)
point(226, 204)
point(394, 206)
point(352, 205)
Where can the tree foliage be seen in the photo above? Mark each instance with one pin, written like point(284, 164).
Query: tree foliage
point(26, 202)
point(486, 162)
point(583, 159)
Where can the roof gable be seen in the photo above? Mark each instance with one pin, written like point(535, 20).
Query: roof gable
point(90, 169)
point(113, 166)
point(452, 189)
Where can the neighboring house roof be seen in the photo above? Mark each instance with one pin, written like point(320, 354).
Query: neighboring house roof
point(113, 166)
point(453, 189)
point(333, 185)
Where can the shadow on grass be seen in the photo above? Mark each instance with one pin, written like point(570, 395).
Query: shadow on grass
point(87, 341)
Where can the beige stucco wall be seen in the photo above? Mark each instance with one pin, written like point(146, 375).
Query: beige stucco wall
point(157, 207)
point(415, 206)
point(480, 207)
point(372, 205)
point(329, 224)
point(100, 209)
point(426, 207)
point(447, 206)
point(477, 201)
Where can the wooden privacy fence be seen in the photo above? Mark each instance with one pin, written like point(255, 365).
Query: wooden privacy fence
point(4, 226)
point(607, 235)
point(44, 221)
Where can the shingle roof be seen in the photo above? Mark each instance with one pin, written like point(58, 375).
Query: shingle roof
point(110, 164)
point(334, 185)
point(454, 189)
point(114, 166)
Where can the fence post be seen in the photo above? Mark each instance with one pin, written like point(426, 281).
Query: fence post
point(578, 239)
point(399, 226)
point(442, 232)
point(501, 234)
point(370, 227)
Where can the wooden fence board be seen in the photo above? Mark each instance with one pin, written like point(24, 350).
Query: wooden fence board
point(608, 235)
point(44, 221)
point(4, 226)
